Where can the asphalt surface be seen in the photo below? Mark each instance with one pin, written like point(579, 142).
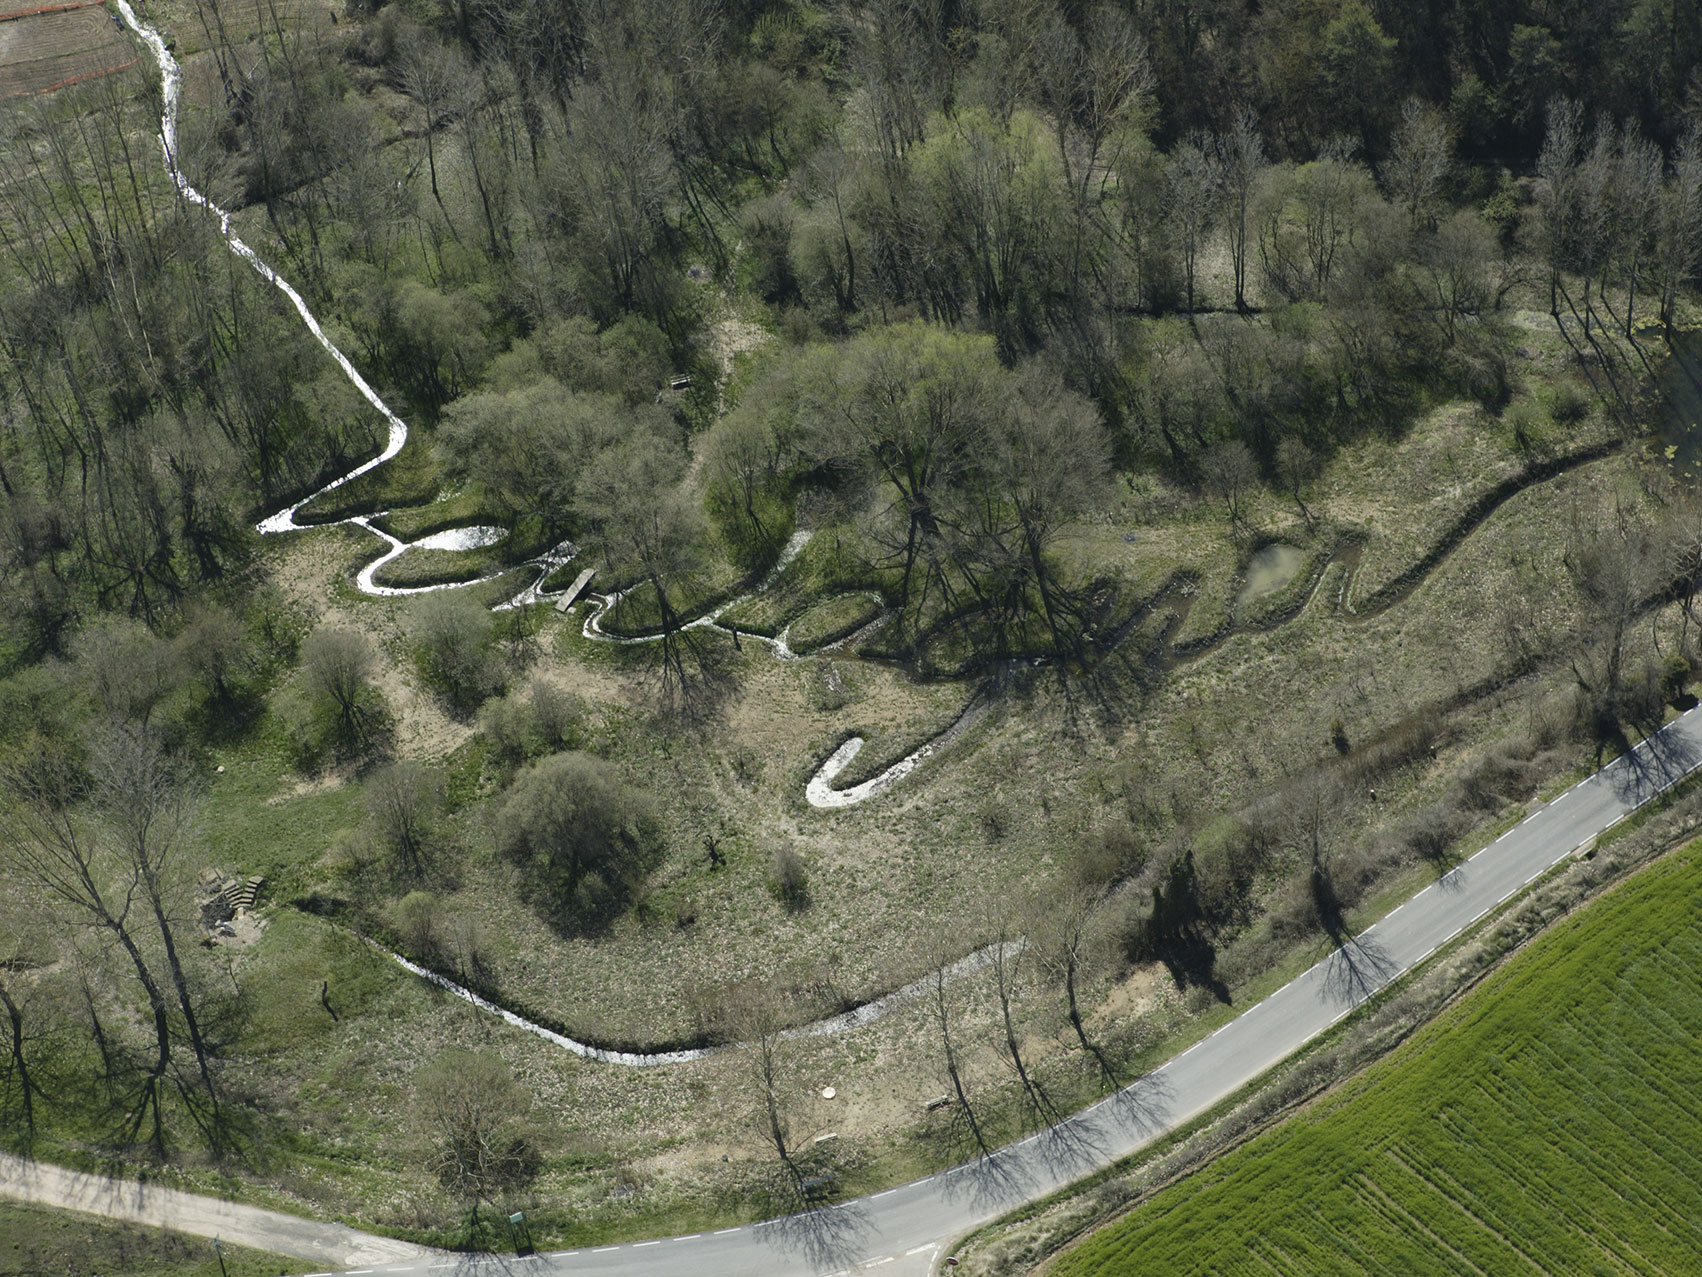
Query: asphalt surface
point(902, 1230)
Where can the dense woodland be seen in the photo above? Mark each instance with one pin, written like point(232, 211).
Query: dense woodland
point(1009, 252)
point(508, 209)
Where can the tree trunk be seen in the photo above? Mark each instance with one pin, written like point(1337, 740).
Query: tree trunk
point(20, 1066)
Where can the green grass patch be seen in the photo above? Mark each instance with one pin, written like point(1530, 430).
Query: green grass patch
point(832, 620)
point(1548, 1122)
point(37, 1239)
point(419, 567)
point(259, 817)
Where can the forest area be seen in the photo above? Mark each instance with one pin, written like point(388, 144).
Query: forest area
point(970, 356)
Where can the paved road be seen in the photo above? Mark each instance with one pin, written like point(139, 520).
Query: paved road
point(900, 1231)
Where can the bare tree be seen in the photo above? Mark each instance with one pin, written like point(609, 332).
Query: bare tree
point(1310, 819)
point(1419, 157)
point(1679, 236)
point(428, 76)
point(1229, 472)
point(1069, 942)
point(147, 802)
point(1297, 465)
point(18, 1081)
point(1636, 195)
point(1195, 180)
point(337, 666)
point(940, 1006)
point(1594, 218)
point(1610, 561)
point(1095, 81)
point(1558, 189)
point(1461, 268)
point(1005, 967)
point(127, 669)
point(1684, 563)
point(52, 845)
point(753, 1015)
point(1049, 459)
point(1241, 160)
point(472, 1110)
point(402, 804)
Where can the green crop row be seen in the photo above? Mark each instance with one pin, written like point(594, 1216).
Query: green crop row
point(1551, 1123)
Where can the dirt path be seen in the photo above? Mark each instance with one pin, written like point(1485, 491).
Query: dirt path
point(334, 1245)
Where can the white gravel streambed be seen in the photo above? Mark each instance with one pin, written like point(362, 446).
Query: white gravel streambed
point(856, 1018)
point(818, 791)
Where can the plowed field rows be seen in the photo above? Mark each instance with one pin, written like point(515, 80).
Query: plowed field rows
point(1551, 1124)
point(46, 47)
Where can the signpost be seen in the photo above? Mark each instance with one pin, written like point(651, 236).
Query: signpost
point(521, 1233)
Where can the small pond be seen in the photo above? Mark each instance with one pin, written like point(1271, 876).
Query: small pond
point(1269, 570)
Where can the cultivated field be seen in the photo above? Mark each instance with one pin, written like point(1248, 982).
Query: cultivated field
point(46, 47)
point(1549, 1124)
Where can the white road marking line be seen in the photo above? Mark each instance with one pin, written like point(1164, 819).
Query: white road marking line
point(917, 1250)
point(637, 1245)
point(689, 1237)
point(722, 1232)
point(562, 1254)
point(889, 1192)
point(603, 1250)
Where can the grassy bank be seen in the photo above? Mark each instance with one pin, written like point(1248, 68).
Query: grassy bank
point(35, 1240)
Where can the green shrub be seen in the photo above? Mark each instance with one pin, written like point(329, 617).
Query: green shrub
point(1571, 403)
point(789, 879)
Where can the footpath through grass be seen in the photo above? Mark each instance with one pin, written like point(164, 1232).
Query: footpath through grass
point(1550, 1123)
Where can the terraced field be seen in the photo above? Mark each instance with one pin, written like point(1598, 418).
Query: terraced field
point(1552, 1123)
point(46, 47)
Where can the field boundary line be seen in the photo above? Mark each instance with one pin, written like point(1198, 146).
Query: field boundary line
point(40, 10)
point(76, 79)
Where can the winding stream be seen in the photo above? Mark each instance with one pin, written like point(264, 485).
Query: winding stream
point(471, 538)
point(856, 1018)
point(818, 791)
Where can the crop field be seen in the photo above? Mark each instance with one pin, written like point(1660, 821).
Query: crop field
point(45, 47)
point(1550, 1124)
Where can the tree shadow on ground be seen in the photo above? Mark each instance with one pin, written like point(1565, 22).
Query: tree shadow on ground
point(1359, 966)
point(828, 1236)
point(1191, 959)
point(1639, 774)
point(996, 1182)
point(1145, 1105)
